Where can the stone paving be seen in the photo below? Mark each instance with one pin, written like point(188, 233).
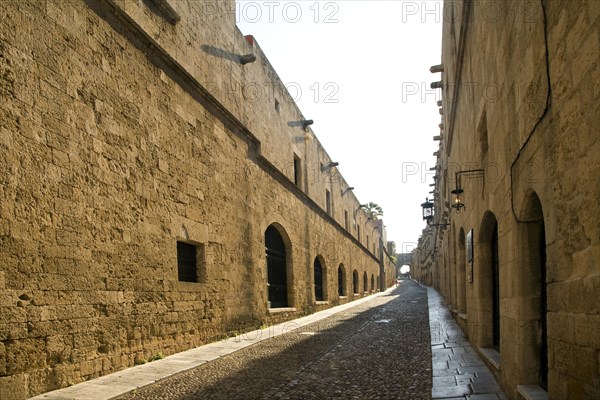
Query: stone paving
point(376, 350)
point(380, 347)
point(458, 372)
point(122, 382)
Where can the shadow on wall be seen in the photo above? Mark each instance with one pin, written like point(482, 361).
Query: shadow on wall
point(216, 52)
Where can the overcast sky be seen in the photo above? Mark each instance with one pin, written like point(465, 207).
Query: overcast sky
point(360, 70)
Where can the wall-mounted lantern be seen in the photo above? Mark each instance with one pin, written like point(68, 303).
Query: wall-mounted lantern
point(427, 210)
point(458, 203)
point(428, 213)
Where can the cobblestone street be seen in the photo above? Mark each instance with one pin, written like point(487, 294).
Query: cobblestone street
point(377, 350)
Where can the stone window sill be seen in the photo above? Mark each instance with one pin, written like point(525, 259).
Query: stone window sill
point(281, 310)
point(343, 297)
point(492, 356)
point(321, 302)
point(532, 392)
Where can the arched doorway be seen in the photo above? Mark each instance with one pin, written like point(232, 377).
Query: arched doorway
point(341, 281)
point(318, 277)
point(495, 287)
point(533, 291)
point(489, 284)
point(449, 280)
point(365, 282)
point(276, 268)
point(372, 283)
point(543, 309)
point(461, 275)
point(355, 287)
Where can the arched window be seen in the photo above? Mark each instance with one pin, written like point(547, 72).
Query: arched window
point(276, 268)
point(341, 281)
point(318, 277)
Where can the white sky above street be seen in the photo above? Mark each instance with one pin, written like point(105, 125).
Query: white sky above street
point(360, 70)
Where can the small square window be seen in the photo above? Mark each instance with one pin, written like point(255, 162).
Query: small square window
point(187, 262)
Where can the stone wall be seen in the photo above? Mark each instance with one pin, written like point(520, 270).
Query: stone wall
point(521, 83)
point(121, 134)
point(423, 257)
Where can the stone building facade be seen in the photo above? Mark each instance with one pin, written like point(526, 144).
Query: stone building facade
point(159, 189)
point(519, 263)
point(421, 267)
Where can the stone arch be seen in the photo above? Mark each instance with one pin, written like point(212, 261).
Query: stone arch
point(532, 292)
point(341, 280)
point(489, 282)
point(278, 267)
point(461, 273)
point(355, 284)
point(320, 279)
